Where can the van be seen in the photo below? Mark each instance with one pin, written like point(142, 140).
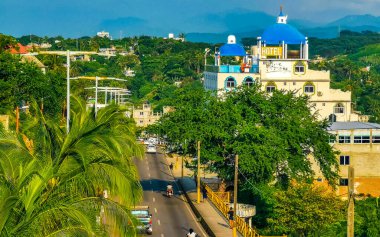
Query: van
point(144, 218)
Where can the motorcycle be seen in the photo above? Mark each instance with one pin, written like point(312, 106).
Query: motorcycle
point(169, 191)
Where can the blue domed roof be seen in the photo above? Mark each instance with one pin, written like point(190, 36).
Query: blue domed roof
point(232, 50)
point(278, 32)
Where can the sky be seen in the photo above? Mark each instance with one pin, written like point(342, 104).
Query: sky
point(74, 18)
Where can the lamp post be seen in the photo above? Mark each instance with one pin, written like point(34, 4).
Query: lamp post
point(234, 233)
point(199, 173)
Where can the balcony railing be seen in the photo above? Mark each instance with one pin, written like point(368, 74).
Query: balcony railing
point(232, 69)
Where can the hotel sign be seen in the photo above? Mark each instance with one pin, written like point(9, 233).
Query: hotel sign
point(271, 51)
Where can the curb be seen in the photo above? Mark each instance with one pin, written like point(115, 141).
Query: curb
point(196, 212)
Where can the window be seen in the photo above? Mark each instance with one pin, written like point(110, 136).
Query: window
point(270, 87)
point(141, 121)
point(308, 88)
point(343, 182)
point(375, 139)
point(284, 83)
point(332, 118)
point(323, 104)
point(344, 139)
point(248, 81)
point(344, 160)
point(299, 67)
point(339, 108)
point(332, 138)
point(294, 83)
point(141, 113)
point(230, 82)
point(361, 139)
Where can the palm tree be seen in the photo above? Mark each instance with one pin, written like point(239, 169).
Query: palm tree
point(54, 185)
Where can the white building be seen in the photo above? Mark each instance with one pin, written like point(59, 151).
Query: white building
point(279, 61)
point(103, 34)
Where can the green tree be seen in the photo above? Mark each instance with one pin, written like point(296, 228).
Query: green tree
point(54, 185)
point(304, 210)
point(273, 135)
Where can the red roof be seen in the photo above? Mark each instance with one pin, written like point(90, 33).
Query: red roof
point(19, 49)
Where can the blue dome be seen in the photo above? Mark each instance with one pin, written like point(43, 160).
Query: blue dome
point(232, 50)
point(277, 33)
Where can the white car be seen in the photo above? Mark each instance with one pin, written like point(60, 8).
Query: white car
point(151, 148)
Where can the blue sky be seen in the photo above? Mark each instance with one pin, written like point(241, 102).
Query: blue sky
point(73, 18)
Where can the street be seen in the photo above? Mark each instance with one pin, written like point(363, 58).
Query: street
point(170, 216)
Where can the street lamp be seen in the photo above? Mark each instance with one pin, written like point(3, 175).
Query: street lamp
point(69, 53)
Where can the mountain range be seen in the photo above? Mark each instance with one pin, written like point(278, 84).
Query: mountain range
point(241, 28)
point(214, 28)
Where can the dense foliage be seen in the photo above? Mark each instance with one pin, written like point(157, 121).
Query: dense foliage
point(52, 183)
point(273, 135)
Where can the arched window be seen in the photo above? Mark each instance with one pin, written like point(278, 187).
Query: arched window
point(230, 83)
point(270, 87)
point(308, 88)
point(332, 118)
point(339, 108)
point(248, 81)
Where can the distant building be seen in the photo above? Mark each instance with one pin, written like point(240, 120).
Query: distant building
point(129, 72)
point(26, 56)
point(171, 36)
point(103, 34)
point(108, 51)
point(144, 115)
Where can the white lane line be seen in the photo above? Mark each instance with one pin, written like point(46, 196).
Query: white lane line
point(158, 222)
point(162, 235)
point(155, 210)
point(149, 175)
point(154, 199)
point(147, 168)
point(191, 212)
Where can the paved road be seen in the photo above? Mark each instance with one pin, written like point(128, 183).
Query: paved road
point(172, 217)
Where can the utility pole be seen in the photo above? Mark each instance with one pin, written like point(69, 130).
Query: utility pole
point(96, 96)
point(17, 119)
point(351, 209)
point(234, 233)
point(199, 174)
point(68, 92)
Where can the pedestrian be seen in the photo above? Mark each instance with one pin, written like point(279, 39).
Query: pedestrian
point(231, 217)
point(171, 166)
point(191, 233)
point(204, 193)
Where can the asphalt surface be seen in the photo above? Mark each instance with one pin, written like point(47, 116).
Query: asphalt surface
point(171, 217)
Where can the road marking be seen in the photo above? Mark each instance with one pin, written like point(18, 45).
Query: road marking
point(158, 222)
point(191, 213)
point(162, 235)
point(149, 175)
point(147, 168)
point(155, 210)
point(154, 199)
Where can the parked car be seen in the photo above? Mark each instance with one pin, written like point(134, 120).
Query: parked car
point(144, 218)
point(151, 148)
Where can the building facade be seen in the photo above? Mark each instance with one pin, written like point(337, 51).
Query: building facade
point(279, 61)
point(144, 115)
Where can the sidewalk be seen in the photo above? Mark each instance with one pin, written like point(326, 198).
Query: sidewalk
point(214, 223)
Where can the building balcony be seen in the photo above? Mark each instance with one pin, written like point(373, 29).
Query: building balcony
point(232, 69)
